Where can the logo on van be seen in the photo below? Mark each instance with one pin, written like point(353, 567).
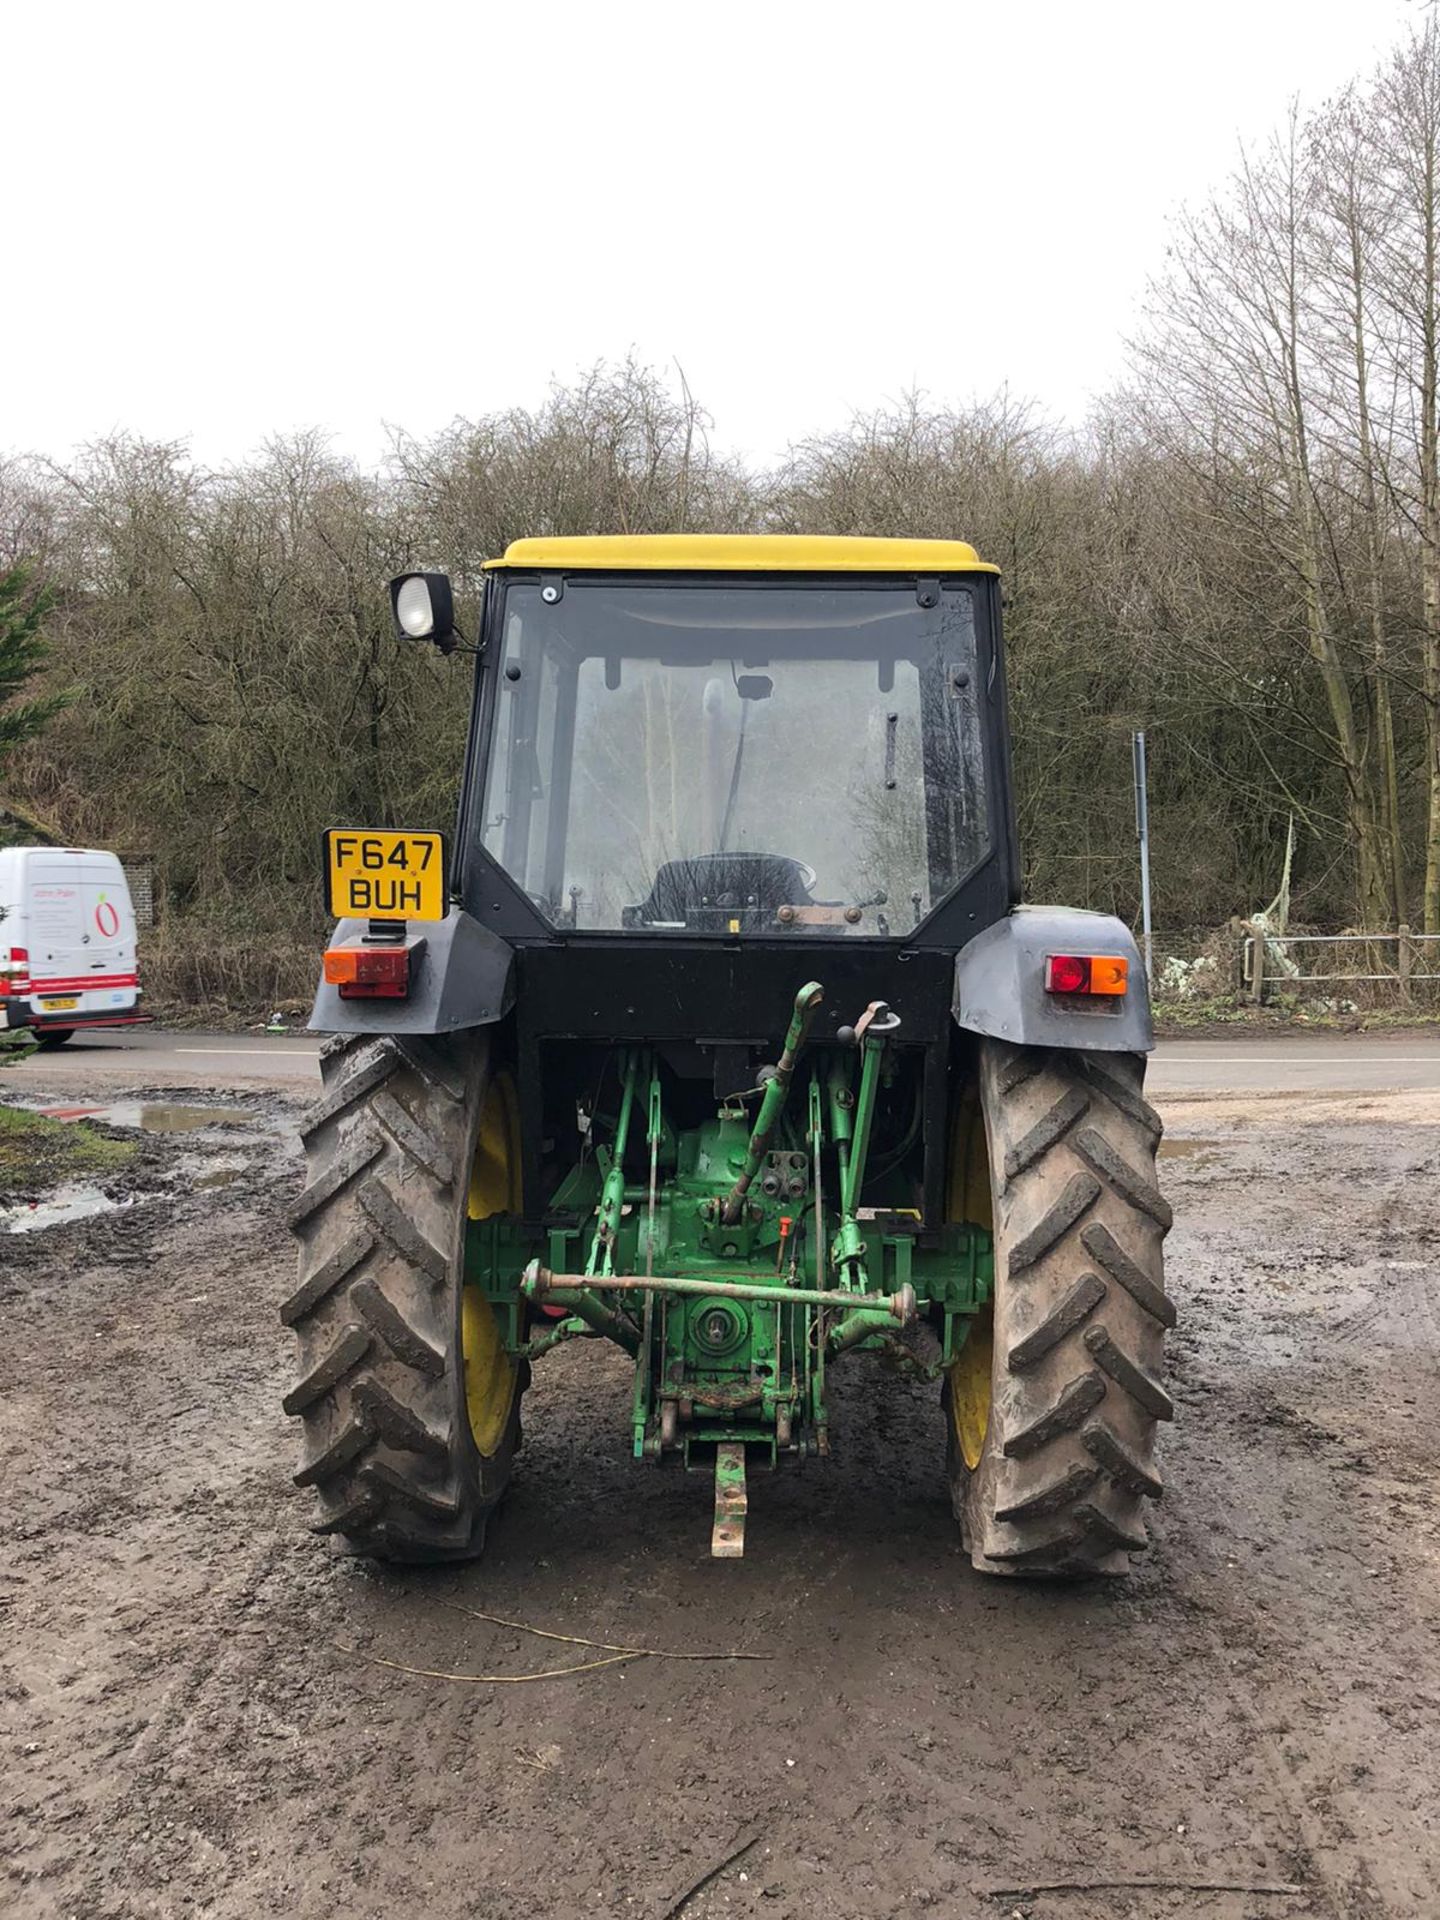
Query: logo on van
point(106, 918)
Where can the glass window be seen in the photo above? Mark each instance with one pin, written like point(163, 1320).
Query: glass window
point(736, 758)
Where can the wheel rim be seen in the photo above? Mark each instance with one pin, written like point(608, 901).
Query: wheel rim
point(970, 1391)
point(968, 1198)
point(491, 1377)
point(495, 1170)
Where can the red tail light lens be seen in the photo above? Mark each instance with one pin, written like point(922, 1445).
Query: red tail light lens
point(369, 973)
point(1067, 973)
point(20, 956)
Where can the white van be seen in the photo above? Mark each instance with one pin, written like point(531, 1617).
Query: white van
point(67, 942)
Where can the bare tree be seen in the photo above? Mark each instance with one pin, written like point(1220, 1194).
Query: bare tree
point(1404, 113)
point(1229, 385)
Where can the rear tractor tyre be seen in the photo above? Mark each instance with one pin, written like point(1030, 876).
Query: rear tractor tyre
point(409, 1402)
point(1051, 1466)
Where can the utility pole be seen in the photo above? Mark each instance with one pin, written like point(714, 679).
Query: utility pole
point(1142, 829)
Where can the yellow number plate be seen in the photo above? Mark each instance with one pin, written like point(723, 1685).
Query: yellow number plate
point(63, 1004)
point(384, 875)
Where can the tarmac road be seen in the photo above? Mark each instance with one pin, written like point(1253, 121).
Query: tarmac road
point(1308, 1063)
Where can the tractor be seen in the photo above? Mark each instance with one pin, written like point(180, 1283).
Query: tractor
point(716, 1030)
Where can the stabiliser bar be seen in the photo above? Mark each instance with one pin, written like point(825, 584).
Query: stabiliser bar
point(561, 1289)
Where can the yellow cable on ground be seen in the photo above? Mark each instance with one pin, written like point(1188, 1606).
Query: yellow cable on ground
point(604, 1646)
point(616, 1654)
point(485, 1679)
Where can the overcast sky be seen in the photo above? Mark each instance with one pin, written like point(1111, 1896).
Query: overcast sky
point(228, 219)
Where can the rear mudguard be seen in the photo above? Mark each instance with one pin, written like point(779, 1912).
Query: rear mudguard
point(462, 975)
point(1000, 984)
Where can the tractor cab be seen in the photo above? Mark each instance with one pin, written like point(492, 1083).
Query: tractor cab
point(724, 736)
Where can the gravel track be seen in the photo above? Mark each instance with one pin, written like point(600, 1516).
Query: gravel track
point(181, 1733)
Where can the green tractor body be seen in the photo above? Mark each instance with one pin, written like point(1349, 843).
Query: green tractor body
point(722, 1036)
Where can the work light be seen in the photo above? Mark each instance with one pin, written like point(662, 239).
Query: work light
point(424, 608)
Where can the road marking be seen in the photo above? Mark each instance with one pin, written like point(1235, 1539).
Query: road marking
point(252, 1053)
point(1297, 1060)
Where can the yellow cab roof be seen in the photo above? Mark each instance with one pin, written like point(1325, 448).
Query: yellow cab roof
point(741, 553)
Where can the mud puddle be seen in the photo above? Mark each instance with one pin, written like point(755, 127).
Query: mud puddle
point(183, 1148)
point(1188, 1149)
point(79, 1200)
point(217, 1177)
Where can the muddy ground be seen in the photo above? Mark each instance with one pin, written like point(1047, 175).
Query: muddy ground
point(189, 1724)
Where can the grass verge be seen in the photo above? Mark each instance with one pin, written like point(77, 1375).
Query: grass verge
point(1194, 1019)
point(37, 1152)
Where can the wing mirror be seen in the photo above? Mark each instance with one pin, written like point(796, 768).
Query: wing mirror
point(424, 608)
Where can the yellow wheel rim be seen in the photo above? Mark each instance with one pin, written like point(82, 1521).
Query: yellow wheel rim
point(968, 1198)
point(495, 1170)
point(491, 1377)
point(970, 1391)
point(967, 1191)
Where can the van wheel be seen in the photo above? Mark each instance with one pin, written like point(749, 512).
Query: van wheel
point(54, 1036)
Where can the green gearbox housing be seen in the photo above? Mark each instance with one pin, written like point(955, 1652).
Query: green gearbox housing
point(732, 1257)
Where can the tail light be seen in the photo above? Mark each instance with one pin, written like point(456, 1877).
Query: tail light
point(369, 973)
point(1103, 973)
point(18, 966)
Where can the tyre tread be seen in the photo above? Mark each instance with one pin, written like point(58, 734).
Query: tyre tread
point(352, 1159)
point(1081, 1192)
point(1082, 1395)
point(1106, 1251)
point(1129, 1377)
point(380, 1224)
point(1077, 1306)
point(407, 1343)
point(326, 1277)
point(1049, 1128)
point(332, 1366)
point(1080, 1313)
